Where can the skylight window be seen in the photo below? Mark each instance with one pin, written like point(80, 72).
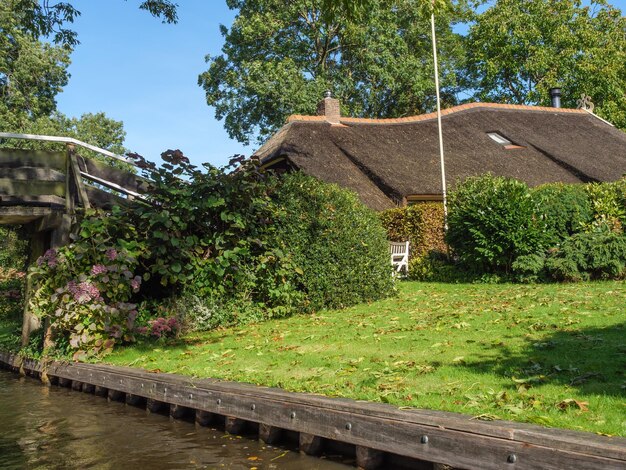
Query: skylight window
point(499, 139)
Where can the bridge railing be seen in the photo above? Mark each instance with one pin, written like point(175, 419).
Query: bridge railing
point(118, 180)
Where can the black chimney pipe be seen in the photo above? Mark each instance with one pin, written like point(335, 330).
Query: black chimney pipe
point(555, 94)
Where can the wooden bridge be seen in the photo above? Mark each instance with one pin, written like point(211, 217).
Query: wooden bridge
point(48, 191)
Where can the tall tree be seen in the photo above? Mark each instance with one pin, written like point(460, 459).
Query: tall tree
point(31, 72)
point(43, 18)
point(518, 50)
point(279, 58)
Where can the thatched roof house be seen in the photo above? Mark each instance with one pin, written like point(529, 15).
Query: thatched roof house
point(390, 162)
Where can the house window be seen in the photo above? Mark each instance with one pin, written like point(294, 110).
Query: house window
point(499, 139)
point(506, 143)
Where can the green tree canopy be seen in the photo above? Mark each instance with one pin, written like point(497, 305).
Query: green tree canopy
point(279, 58)
point(31, 72)
point(518, 50)
point(43, 18)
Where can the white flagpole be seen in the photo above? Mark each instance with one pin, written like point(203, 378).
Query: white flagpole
point(443, 166)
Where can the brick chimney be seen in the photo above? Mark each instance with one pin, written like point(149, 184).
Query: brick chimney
point(329, 107)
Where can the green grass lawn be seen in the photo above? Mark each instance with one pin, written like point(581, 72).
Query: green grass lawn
point(548, 354)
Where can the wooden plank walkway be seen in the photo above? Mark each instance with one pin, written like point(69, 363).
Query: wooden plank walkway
point(376, 430)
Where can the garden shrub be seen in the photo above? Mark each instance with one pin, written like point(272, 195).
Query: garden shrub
point(13, 259)
point(421, 224)
point(208, 230)
point(566, 209)
point(13, 252)
point(599, 254)
point(492, 221)
point(436, 266)
point(86, 289)
point(609, 202)
point(338, 244)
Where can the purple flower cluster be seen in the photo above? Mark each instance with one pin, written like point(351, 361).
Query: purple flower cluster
point(163, 327)
point(49, 257)
point(83, 292)
point(111, 253)
point(99, 269)
point(135, 283)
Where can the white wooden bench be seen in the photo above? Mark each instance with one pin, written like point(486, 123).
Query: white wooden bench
point(399, 252)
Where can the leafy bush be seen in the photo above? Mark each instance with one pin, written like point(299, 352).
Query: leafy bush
point(85, 289)
point(609, 202)
point(599, 254)
point(13, 250)
point(209, 231)
point(435, 266)
point(13, 259)
point(339, 245)
point(492, 221)
point(421, 224)
point(243, 245)
point(565, 208)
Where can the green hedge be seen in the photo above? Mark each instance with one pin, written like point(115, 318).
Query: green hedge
point(492, 221)
point(421, 224)
point(600, 254)
point(338, 243)
point(566, 209)
point(556, 231)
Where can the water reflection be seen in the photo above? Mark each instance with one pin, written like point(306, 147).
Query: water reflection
point(44, 428)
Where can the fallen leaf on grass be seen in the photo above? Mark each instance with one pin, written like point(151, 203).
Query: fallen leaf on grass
point(571, 403)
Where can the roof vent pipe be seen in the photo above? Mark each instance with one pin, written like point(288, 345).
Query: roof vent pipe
point(555, 95)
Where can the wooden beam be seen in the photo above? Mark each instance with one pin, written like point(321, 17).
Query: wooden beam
point(368, 458)
point(32, 201)
point(126, 179)
point(104, 200)
point(15, 158)
point(12, 187)
point(270, 434)
point(449, 438)
point(24, 215)
point(310, 444)
point(74, 170)
point(31, 173)
point(30, 321)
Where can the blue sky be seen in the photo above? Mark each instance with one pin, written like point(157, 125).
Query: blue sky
point(145, 73)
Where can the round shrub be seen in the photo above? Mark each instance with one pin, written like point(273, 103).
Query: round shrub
point(492, 222)
point(338, 244)
point(600, 254)
point(609, 202)
point(565, 208)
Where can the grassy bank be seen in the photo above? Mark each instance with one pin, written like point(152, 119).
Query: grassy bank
point(548, 354)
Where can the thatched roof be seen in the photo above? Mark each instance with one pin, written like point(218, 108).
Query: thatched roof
point(386, 160)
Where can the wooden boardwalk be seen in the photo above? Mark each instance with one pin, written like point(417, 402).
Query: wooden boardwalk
point(377, 433)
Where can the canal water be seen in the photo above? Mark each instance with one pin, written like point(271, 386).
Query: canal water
point(56, 428)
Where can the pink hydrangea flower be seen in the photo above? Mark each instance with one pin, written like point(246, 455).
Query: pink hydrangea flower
point(98, 269)
point(49, 257)
point(136, 283)
point(111, 253)
point(83, 292)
